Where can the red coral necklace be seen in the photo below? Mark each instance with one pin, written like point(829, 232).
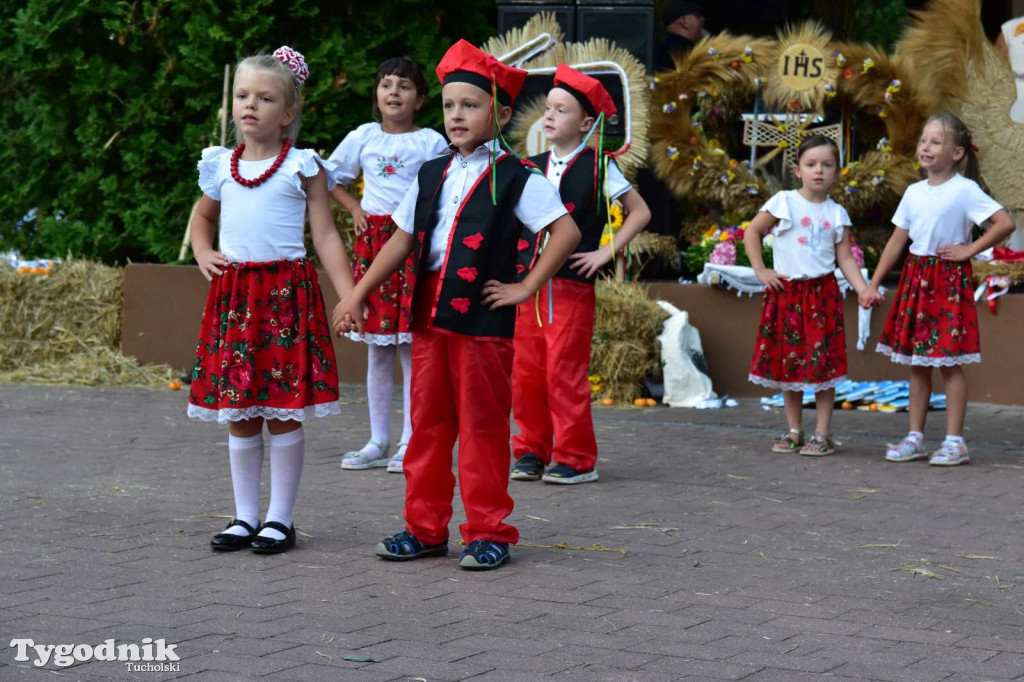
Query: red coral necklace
point(256, 182)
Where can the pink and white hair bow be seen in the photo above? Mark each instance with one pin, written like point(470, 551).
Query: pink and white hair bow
point(294, 61)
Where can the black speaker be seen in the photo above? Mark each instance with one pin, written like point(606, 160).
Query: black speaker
point(515, 15)
point(630, 26)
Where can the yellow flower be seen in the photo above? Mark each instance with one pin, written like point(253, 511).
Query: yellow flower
point(724, 236)
point(606, 239)
point(710, 232)
point(733, 163)
point(615, 216)
point(358, 186)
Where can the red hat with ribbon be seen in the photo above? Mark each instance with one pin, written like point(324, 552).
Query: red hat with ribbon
point(466, 63)
point(592, 96)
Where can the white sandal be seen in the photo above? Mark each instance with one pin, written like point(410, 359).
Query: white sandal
point(360, 459)
point(395, 465)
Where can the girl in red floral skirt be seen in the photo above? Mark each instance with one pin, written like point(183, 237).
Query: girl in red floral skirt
point(801, 342)
point(265, 350)
point(389, 155)
point(933, 322)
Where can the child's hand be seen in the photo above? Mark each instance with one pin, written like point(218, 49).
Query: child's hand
point(359, 220)
point(954, 252)
point(869, 298)
point(498, 294)
point(348, 316)
point(210, 262)
point(770, 279)
point(587, 264)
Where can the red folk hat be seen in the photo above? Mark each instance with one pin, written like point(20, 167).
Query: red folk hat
point(588, 90)
point(466, 63)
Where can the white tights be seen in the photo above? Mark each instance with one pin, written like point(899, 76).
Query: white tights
point(379, 385)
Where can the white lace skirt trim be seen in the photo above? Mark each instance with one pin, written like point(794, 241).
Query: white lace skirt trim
point(795, 385)
point(381, 339)
point(226, 415)
point(925, 361)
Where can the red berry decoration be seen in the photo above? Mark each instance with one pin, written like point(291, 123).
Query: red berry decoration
point(734, 65)
point(256, 182)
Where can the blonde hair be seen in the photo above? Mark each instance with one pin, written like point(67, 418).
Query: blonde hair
point(961, 137)
point(292, 89)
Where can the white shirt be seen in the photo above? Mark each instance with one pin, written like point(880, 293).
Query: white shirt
point(943, 214)
point(264, 223)
point(389, 163)
point(806, 235)
point(615, 184)
point(539, 205)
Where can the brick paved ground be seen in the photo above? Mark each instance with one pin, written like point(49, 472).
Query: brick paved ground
point(737, 564)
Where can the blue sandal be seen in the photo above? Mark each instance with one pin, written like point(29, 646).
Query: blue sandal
point(484, 555)
point(405, 546)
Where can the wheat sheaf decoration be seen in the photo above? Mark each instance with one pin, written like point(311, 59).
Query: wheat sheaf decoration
point(800, 70)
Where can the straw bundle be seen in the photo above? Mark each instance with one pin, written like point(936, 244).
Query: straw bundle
point(985, 269)
point(65, 328)
point(626, 323)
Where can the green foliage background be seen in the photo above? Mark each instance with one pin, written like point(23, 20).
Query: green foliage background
point(108, 103)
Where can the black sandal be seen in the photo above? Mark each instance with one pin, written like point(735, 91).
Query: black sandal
point(264, 545)
point(405, 546)
point(229, 542)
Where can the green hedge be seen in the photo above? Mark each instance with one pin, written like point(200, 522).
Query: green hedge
point(107, 103)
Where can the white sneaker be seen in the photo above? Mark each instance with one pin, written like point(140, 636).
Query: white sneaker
point(395, 465)
point(365, 458)
point(910, 449)
point(951, 454)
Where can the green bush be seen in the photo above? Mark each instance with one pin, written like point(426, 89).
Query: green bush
point(108, 103)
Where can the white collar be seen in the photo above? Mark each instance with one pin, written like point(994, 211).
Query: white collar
point(557, 160)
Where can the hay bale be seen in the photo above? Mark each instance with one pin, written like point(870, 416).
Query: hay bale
point(624, 351)
point(65, 328)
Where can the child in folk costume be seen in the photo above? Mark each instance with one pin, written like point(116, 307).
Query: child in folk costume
point(265, 350)
point(933, 322)
point(389, 155)
point(462, 217)
point(801, 342)
point(550, 391)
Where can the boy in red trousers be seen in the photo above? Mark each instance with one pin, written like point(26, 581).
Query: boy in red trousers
point(550, 391)
point(463, 218)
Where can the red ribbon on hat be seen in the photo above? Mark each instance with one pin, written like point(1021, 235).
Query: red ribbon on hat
point(295, 62)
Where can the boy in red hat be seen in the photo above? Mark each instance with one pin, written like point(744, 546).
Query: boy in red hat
point(463, 217)
point(550, 391)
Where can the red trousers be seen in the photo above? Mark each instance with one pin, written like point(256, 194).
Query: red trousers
point(550, 391)
point(461, 390)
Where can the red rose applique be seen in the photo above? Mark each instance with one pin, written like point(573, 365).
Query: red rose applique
point(473, 241)
point(520, 269)
point(570, 206)
point(523, 245)
point(461, 304)
point(468, 274)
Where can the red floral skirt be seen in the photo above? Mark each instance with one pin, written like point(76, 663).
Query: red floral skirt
point(264, 346)
point(933, 322)
point(389, 308)
point(801, 341)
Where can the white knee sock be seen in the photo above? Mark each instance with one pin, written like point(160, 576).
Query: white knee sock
point(405, 355)
point(246, 456)
point(287, 452)
point(379, 383)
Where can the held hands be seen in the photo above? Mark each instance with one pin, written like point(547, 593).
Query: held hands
point(954, 252)
point(770, 279)
point(210, 262)
point(587, 264)
point(348, 316)
point(359, 220)
point(870, 298)
point(497, 294)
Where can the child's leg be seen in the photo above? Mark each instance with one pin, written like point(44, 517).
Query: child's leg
point(429, 481)
point(824, 404)
point(482, 383)
point(379, 383)
point(920, 394)
point(287, 453)
point(530, 387)
point(405, 357)
point(245, 450)
point(956, 400)
point(794, 402)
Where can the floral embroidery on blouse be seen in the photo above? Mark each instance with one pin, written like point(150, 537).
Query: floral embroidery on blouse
point(388, 166)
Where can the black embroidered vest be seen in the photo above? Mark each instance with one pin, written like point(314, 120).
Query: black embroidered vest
point(481, 247)
point(577, 191)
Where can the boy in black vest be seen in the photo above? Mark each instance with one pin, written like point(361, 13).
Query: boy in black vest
point(463, 218)
point(550, 391)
